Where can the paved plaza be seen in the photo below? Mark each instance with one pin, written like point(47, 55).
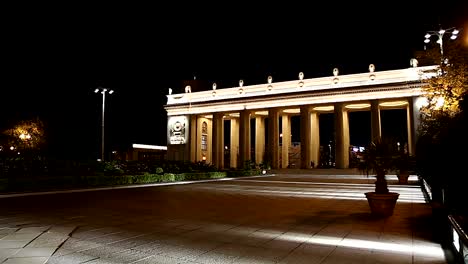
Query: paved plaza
point(289, 216)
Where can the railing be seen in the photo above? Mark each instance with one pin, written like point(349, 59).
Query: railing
point(459, 239)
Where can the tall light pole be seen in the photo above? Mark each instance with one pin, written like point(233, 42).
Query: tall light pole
point(103, 92)
point(440, 37)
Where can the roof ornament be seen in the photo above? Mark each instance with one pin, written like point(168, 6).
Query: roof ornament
point(371, 70)
point(335, 73)
point(270, 80)
point(214, 90)
point(241, 84)
point(301, 77)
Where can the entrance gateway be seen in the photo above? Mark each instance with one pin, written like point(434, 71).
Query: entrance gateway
point(195, 127)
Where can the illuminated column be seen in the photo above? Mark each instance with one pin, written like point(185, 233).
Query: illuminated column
point(209, 157)
point(259, 139)
point(315, 138)
point(234, 142)
point(204, 138)
point(244, 137)
point(273, 138)
point(412, 119)
point(218, 140)
point(341, 137)
point(375, 120)
point(306, 134)
point(193, 138)
point(286, 140)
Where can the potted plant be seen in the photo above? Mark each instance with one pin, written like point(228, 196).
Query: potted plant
point(403, 165)
point(379, 158)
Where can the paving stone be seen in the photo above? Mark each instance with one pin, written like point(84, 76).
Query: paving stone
point(73, 258)
point(294, 218)
point(7, 252)
point(35, 252)
point(20, 236)
point(31, 260)
point(32, 229)
point(48, 240)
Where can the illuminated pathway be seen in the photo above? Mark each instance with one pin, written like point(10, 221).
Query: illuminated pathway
point(286, 218)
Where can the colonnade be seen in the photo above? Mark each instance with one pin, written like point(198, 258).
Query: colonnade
point(206, 138)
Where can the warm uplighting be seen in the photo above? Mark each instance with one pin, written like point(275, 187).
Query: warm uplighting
point(324, 108)
point(421, 102)
point(292, 111)
point(357, 106)
point(263, 113)
point(393, 104)
point(439, 102)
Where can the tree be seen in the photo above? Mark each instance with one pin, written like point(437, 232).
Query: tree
point(25, 136)
point(442, 143)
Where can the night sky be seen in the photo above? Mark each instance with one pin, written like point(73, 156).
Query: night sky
point(53, 57)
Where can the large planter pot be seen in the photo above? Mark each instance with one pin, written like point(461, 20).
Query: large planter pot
point(403, 177)
point(382, 204)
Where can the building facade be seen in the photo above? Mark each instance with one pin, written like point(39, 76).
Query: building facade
point(196, 120)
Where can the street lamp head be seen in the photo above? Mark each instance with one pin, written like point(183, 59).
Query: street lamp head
point(111, 91)
point(96, 91)
point(427, 36)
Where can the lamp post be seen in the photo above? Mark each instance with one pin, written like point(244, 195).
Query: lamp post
point(103, 92)
point(440, 37)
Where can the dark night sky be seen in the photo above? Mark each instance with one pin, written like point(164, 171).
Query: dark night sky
point(53, 57)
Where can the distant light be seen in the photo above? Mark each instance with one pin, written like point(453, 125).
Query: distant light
point(12, 148)
point(263, 172)
point(143, 146)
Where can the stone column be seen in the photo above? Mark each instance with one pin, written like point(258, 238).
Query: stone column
point(305, 137)
point(194, 146)
point(341, 137)
point(218, 140)
point(412, 118)
point(315, 139)
point(244, 137)
point(259, 139)
point(286, 140)
point(234, 142)
point(376, 130)
point(273, 138)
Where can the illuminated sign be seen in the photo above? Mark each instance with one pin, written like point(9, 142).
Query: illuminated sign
point(177, 128)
